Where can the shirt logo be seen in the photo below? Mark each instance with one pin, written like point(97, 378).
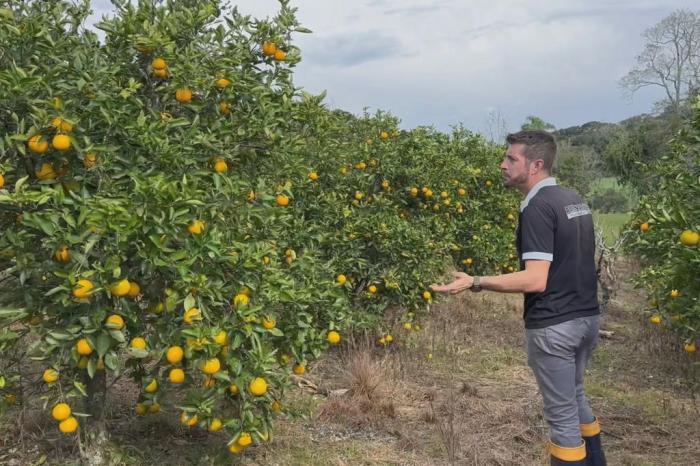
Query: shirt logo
point(576, 210)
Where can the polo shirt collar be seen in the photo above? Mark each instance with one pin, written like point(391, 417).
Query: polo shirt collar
point(549, 181)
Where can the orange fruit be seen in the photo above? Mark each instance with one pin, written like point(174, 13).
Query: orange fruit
point(341, 279)
point(690, 238)
point(50, 375)
point(134, 290)
point(176, 376)
point(282, 200)
point(269, 323)
point(313, 176)
point(37, 144)
point(215, 425)
point(188, 420)
point(152, 386)
point(427, 296)
point(63, 254)
point(90, 160)
point(192, 315)
point(644, 227)
point(183, 95)
point(121, 288)
point(224, 108)
point(211, 366)
point(115, 321)
point(174, 355)
point(140, 409)
point(280, 55)
point(69, 425)
point(655, 319)
point(2, 181)
point(61, 142)
point(196, 227)
point(221, 338)
point(222, 83)
point(241, 300)
point(258, 386)
point(269, 48)
point(244, 439)
point(690, 347)
point(675, 293)
point(333, 337)
point(82, 289)
point(46, 172)
point(138, 343)
point(384, 135)
point(158, 64)
point(83, 347)
point(233, 388)
point(220, 166)
point(299, 368)
point(62, 125)
point(235, 448)
point(160, 73)
point(61, 412)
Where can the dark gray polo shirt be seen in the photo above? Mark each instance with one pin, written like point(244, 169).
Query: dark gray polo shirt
point(556, 225)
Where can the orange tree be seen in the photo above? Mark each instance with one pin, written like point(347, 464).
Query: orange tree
point(176, 212)
point(666, 235)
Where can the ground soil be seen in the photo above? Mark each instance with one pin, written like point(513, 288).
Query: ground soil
point(456, 392)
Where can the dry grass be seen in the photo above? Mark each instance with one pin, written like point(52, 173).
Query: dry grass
point(474, 403)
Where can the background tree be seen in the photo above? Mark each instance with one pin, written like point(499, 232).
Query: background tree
point(670, 59)
point(534, 122)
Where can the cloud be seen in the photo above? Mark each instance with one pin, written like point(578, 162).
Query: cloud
point(444, 62)
point(353, 49)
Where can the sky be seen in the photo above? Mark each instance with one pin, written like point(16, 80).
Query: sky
point(445, 62)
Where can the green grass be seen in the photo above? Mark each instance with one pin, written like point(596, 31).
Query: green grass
point(611, 224)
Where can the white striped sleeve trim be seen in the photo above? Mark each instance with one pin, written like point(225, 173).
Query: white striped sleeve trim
point(538, 256)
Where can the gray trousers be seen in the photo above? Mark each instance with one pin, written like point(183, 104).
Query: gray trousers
point(558, 356)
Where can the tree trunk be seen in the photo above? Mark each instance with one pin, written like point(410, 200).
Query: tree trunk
point(94, 438)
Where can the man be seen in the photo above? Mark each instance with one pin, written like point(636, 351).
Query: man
point(556, 246)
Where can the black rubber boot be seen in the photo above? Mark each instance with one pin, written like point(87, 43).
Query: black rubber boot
point(594, 448)
point(594, 451)
point(557, 462)
point(567, 456)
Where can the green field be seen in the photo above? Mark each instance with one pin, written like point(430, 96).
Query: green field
point(611, 224)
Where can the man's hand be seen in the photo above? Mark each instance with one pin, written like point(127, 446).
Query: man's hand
point(461, 282)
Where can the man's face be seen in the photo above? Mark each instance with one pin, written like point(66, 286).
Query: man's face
point(515, 167)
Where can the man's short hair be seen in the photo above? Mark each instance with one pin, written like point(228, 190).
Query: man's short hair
point(538, 145)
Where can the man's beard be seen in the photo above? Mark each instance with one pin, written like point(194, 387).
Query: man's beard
point(519, 180)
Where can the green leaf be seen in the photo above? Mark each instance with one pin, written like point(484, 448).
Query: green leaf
point(103, 344)
point(111, 361)
point(92, 367)
point(189, 302)
point(117, 335)
point(80, 387)
point(138, 353)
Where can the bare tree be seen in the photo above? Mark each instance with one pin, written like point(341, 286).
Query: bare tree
point(671, 58)
point(496, 126)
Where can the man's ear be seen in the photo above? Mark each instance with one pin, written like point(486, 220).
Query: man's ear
point(538, 165)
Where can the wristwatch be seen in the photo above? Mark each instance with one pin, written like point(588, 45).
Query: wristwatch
point(476, 286)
